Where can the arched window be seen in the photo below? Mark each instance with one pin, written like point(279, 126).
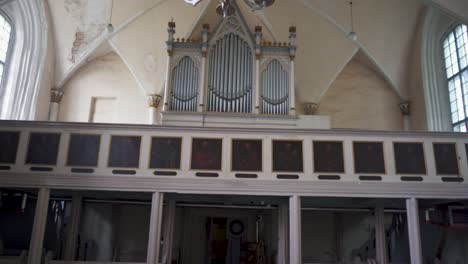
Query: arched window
point(5, 36)
point(456, 64)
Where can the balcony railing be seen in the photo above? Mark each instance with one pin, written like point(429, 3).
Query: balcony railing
point(244, 161)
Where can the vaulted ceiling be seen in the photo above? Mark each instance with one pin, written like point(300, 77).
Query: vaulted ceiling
point(386, 34)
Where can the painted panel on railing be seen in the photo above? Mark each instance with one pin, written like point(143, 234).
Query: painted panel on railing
point(307, 155)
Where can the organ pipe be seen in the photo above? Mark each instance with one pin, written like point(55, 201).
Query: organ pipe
point(185, 81)
point(230, 75)
point(275, 89)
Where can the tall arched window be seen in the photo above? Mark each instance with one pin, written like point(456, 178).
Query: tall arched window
point(456, 65)
point(5, 36)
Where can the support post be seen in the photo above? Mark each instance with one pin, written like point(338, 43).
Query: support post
point(258, 53)
point(38, 230)
point(282, 234)
point(405, 111)
point(168, 230)
point(413, 230)
point(153, 103)
point(170, 48)
point(154, 240)
point(295, 244)
point(73, 228)
point(380, 236)
point(203, 70)
point(55, 99)
point(292, 82)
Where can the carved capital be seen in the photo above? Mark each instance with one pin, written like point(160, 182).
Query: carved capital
point(56, 96)
point(154, 100)
point(405, 108)
point(310, 108)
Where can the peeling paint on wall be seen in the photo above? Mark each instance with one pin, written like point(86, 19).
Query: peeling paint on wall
point(91, 18)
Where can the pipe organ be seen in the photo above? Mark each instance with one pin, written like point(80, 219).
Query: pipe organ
point(184, 93)
point(275, 89)
point(230, 70)
point(230, 75)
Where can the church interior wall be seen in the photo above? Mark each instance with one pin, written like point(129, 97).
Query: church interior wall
point(105, 77)
point(360, 98)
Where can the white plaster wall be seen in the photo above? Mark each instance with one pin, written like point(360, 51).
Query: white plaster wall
point(360, 98)
point(107, 76)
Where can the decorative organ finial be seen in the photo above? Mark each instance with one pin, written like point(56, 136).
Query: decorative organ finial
point(258, 41)
point(292, 42)
point(170, 39)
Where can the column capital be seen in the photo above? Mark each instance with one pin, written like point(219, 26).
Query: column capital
point(56, 95)
point(309, 108)
point(405, 108)
point(154, 100)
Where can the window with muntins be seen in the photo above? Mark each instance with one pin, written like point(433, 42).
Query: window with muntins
point(456, 66)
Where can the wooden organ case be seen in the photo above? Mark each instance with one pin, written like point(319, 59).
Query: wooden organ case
point(230, 70)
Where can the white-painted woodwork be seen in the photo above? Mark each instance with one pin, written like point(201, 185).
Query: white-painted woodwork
point(39, 225)
point(295, 233)
point(414, 234)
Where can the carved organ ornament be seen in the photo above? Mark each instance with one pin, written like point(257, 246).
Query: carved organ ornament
point(230, 70)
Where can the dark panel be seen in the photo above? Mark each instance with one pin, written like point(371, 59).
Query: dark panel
point(165, 153)
point(409, 158)
point(246, 155)
point(287, 156)
point(412, 178)
point(82, 170)
point(206, 174)
point(43, 148)
point(83, 150)
point(370, 178)
point(42, 169)
point(125, 152)
point(452, 179)
point(368, 157)
point(287, 177)
point(329, 177)
point(246, 176)
point(446, 158)
point(9, 146)
point(124, 172)
point(328, 156)
point(165, 173)
point(206, 154)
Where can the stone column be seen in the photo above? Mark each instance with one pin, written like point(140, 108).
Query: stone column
point(412, 212)
point(153, 103)
point(55, 99)
point(405, 109)
point(39, 225)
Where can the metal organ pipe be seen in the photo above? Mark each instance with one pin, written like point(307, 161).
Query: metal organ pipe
point(230, 75)
point(275, 89)
point(185, 86)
